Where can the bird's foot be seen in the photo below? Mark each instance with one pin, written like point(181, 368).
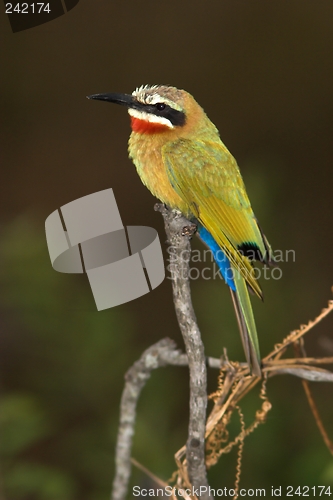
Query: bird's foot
point(189, 230)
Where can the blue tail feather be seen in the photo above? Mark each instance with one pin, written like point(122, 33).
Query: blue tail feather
point(219, 256)
point(241, 301)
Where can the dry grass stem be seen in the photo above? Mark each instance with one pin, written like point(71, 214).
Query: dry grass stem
point(235, 381)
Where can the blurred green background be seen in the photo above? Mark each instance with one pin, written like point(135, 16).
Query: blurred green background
point(263, 71)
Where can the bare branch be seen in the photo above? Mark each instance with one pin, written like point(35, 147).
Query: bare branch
point(179, 231)
point(300, 361)
point(165, 353)
point(160, 354)
point(307, 373)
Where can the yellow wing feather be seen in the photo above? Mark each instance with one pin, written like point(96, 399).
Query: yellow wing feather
point(206, 176)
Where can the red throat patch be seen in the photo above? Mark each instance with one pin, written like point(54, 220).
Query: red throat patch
point(145, 127)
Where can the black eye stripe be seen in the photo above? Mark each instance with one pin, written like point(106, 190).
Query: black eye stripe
point(177, 118)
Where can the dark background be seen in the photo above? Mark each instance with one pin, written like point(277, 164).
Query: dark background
point(263, 71)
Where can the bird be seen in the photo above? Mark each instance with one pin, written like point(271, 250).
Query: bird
point(181, 159)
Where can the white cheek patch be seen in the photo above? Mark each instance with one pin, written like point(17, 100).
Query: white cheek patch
point(148, 117)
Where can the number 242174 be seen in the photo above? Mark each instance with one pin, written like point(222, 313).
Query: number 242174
point(27, 8)
point(306, 491)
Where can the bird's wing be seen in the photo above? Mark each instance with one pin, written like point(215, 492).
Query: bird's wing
point(206, 176)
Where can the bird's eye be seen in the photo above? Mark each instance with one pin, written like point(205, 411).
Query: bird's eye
point(160, 106)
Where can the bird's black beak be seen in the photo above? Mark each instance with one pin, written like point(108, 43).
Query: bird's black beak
point(122, 99)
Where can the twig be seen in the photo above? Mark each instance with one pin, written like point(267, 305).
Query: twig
point(179, 231)
point(300, 351)
point(160, 354)
point(297, 334)
point(152, 476)
point(317, 417)
point(306, 373)
point(299, 361)
point(165, 353)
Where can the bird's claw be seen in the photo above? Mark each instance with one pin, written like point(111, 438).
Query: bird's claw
point(189, 230)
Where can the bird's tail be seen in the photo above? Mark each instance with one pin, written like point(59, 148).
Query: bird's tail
point(246, 323)
point(241, 300)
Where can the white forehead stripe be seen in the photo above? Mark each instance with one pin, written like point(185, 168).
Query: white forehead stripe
point(148, 117)
point(149, 95)
point(155, 98)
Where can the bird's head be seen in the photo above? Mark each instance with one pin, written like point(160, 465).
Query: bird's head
point(158, 108)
